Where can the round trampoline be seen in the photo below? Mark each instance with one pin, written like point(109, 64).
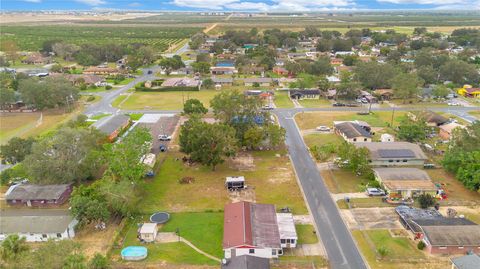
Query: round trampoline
point(160, 217)
point(134, 253)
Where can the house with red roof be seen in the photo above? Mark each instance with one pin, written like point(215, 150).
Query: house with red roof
point(251, 229)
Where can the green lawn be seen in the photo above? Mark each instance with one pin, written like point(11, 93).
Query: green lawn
point(363, 203)
point(322, 139)
point(402, 253)
point(176, 253)
point(100, 116)
point(343, 181)
point(119, 99)
point(196, 227)
point(163, 100)
point(310, 120)
point(315, 103)
point(282, 100)
point(306, 234)
point(135, 116)
point(272, 181)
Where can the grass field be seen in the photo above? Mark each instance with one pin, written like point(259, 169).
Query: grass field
point(196, 227)
point(343, 181)
point(310, 120)
point(315, 103)
point(29, 124)
point(163, 100)
point(402, 253)
point(322, 139)
point(271, 181)
point(282, 100)
point(456, 192)
point(306, 234)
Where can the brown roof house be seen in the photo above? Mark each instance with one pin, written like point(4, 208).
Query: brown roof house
point(408, 182)
point(447, 130)
point(251, 229)
point(431, 118)
point(38, 195)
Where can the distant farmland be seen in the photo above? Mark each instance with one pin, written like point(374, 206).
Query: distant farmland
point(31, 38)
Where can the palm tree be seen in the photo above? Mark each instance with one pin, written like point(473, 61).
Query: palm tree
point(12, 247)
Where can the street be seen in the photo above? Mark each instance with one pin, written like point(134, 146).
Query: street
point(341, 249)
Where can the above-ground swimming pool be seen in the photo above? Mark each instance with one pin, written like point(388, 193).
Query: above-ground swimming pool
point(134, 253)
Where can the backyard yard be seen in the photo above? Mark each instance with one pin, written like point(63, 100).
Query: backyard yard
point(268, 174)
point(282, 100)
point(306, 234)
point(343, 181)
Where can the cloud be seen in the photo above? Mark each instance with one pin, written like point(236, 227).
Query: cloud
point(92, 2)
point(425, 2)
point(33, 1)
point(475, 5)
point(273, 5)
point(135, 4)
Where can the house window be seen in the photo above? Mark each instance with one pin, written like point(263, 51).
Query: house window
point(405, 161)
point(251, 251)
point(283, 241)
point(390, 161)
point(274, 252)
point(365, 139)
point(398, 161)
point(293, 241)
point(354, 140)
point(44, 236)
point(59, 235)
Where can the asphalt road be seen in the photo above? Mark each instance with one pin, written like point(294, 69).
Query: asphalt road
point(341, 249)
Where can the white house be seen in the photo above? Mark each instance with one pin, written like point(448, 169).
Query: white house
point(251, 229)
point(286, 227)
point(148, 232)
point(394, 153)
point(37, 225)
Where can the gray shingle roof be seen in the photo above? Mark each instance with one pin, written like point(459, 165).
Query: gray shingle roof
point(464, 235)
point(376, 147)
point(247, 262)
point(467, 262)
point(36, 192)
point(352, 130)
point(111, 124)
point(34, 221)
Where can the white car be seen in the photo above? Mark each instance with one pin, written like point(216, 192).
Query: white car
point(164, 137)
point(375, 192)
point(323, 128)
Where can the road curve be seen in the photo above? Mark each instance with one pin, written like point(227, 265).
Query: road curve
point(341, 249)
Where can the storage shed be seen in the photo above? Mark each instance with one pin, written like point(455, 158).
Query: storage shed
point(148, 232)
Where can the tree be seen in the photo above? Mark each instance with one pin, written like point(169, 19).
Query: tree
point(169, 64)
point(357, 158)
point(65, 157)
point(208, 144)
point(375, 75)
point(52, 254)
point(428, 74)
point(99, 262)
point(459, 72)
point(201, 67)
point(11, 50)
point(124, 158)
point(208, 83)
point(194, 106)
point(65, 50)
point(49, 93)
point(253, 137)
point(88, 205)
point(412, 131)
point(324, 45)
point(350, 60)
point(440, 91)
point(16, 149)
point(419, 30)
point(342, 45)
point(321, 66)
point(462, 155)
point(421, 245)
point(406, 85)
point(383, 251)
point(426, 200)
point(13, 247)
point(7, 96)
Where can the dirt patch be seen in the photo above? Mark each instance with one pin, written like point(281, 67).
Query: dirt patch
point(242, 195)
point(282, 174)
point(96, 241)
point(163, 265)
point(242, 162)
point(371, 218)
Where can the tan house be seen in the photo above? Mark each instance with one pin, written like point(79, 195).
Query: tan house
point(407, 182)
point(446, 130)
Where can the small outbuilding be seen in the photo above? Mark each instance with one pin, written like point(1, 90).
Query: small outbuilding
point(286, 228)
point(235, 183)
point(148, 232)
point(387, 138)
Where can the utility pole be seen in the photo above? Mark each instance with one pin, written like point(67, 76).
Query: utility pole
point(393, 113)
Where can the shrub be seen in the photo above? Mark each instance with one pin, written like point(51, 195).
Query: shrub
point(108, 87)
point(426, 200)
point(90, 98)
point(421, 245)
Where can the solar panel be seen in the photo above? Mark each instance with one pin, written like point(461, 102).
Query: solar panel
point(396, 153)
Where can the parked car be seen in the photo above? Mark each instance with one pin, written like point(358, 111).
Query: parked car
point(338, 104)
point(164, 137)
point(322, 128)
point(267, 107)
point(375, 192)
point(163, 148)
point(352, 105)
point(149, 72)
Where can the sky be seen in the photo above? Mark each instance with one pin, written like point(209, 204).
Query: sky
point(239, 5)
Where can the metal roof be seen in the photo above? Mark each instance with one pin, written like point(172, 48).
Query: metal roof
point(247, 262)
point(467, 262)
point(286, 225)
point(464, 235)
point(392, 149)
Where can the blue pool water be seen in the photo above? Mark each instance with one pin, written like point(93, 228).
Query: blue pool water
point(134, 253)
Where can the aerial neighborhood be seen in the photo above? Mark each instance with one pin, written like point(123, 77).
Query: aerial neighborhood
point(239, 140)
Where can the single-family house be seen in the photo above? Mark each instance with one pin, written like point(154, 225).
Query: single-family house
point(431, 118)
point(262, 82)
point(296, 56)
point(181, 82)
point(36, 72)
point(94, 70)
point(282, 71)
point(288, 233)
point(38, 195)
point(336, 61)
point(78, 79)
point(37, 225)
point(446, 130)
point(246, 262)
point(333, 79)
point(469, 91)
point(251, 229)
point(352, 132)
point(223, 70)
point(471, 261)
point(304, 94)
point(36, 58)
point(148, 232)
point(112, 126)
point(407, 182)
point(394, 153)
point(222, 81)
point(259, 93)
point(285, 82)
point(383, 94)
